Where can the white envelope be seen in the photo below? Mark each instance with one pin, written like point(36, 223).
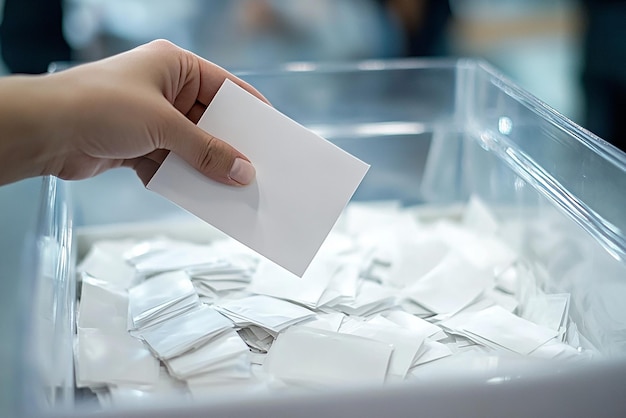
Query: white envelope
point(302, 183)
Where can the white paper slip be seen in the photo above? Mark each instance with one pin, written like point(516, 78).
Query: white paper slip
point(431, 351)
point(405, 343)
point(549, 310)
point(177, 335)
point(165, 389)
point(223, 348)
point(451, 286)
point(414, 258)
point(555, 349)
point(413, 323)
point(160, 298)
point(327, 358)
point(371, 298)
point(325, 321)
point(479, 218)
point(177, 258)
point(255, 341)
point(484, 251)
point(107, 267)
point(101, 307)
point(264, 311)
point(109, 356)
point(302, 183)
point(364, 217)
point(504, 329)
point(272, 280)
point(343, 284)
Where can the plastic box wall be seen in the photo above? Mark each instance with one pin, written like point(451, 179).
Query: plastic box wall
point(435, 132)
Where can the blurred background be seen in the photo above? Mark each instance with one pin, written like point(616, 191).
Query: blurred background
point(569, 53)
point(553, 48)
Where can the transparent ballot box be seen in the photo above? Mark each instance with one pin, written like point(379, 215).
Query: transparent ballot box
point(448, 141)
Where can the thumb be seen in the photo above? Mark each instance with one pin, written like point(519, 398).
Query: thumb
point(209, 155)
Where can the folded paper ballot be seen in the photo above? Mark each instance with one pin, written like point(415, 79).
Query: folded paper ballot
point(549, 310)
point(258, 339)
point(211, 355)
point(103, 262)
point(326, 321)
point(302, 184)
point(160, 297)
point(179, 334)
point(101, 306)
point(177, 258)
point(166, 387)
point(271, 280)
point(106, 356)
point(405, 343)
point(431, 351)
point(370, 299)
point(414, 324)
point(496, 327)
point(267, 312)
point(313, 356)
point(463, 283)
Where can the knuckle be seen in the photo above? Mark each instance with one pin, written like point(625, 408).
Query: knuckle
point(162, 44)
point(206, 160)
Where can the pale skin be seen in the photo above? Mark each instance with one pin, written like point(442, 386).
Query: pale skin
point(129, 110)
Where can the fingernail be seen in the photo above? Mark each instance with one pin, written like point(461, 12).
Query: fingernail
point(242, 171)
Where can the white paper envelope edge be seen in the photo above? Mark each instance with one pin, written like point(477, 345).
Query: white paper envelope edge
point(303, 182)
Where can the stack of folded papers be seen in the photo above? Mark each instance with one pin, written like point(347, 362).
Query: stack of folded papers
point(390, 296)
point(212, 279)
point(105, 353)
point(184, 332)
point(271, 314)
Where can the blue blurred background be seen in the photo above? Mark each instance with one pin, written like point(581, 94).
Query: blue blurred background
point(538, 43)
point(571, 54)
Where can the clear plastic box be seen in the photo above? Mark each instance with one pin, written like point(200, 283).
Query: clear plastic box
point(435, 132)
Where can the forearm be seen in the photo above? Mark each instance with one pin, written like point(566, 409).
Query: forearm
point(27, 127)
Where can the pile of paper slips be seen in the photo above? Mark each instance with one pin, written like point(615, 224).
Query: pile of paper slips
point(390, 296)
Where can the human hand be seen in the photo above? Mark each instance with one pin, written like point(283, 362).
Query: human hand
point(128, 110)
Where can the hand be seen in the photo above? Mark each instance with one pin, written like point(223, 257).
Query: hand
point(128, 110)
